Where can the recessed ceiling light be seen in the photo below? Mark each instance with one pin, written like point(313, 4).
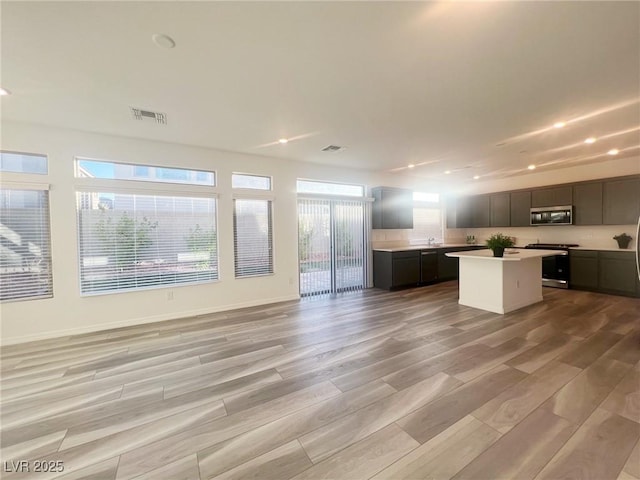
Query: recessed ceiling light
point(531, 167)
point(162, 40)
point(411, 165)
point(590, 140)
point(4, 91)
point(447, 172)
point(559, 124)
point(613, 151)
point(283, 141)
point(476, 177)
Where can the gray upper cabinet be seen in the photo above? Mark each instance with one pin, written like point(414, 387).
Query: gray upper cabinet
point(621, 201)
point(551, 197)
point(392, 208)
point(463, 212)
point(520, 207)
point(480, 211)
point(587, 204)
point(500, 209)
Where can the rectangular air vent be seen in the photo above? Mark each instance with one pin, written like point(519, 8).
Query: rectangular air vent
point(332, 148)
point(146, 115)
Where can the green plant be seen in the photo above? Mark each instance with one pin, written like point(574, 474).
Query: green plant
point(498, 240)
point(623, 236)
point(127, 239)
point(305, 234)
point(200, 240)
point(344, 239)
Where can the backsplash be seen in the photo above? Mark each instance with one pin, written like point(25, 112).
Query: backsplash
point(590, 236)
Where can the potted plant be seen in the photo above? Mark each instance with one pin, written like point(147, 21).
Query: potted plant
point(623, 240)
point(498, 242)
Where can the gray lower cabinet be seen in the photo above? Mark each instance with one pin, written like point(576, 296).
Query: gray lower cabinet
point(396, 269)
point(604, 271)
point(617, 273)
point(410, 268)
point(583, 268)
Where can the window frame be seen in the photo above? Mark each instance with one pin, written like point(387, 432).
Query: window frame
point(256, 195)
point(12, 173)
point(332, 195)
point(45, 188)
point(433, 205)
point(140, 180)
point(147, 188)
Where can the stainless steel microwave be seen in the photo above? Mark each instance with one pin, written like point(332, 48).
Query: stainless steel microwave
point(552, 215)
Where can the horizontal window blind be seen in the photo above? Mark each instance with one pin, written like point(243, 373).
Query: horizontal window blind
point(25, 256)
point(252, 237)
point(131, 241)
point(427, 223)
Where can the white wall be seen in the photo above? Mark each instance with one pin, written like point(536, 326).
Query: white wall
point(67, 312)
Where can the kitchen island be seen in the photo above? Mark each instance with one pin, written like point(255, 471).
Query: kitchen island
point(500, 284)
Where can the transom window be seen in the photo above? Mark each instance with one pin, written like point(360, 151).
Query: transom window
point(256, 182)
point(328, 188)
point(86, 168)
point(23, 163)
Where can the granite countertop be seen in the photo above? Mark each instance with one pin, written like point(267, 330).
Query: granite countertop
point(423, 247)
point(510, 254)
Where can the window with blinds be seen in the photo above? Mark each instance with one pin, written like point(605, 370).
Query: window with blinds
point(134, 241)
point(427, 218)
point(25, 258)
point(252, 237)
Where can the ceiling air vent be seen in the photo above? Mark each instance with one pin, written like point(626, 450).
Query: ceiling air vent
point(146, 115)
point(332, 148)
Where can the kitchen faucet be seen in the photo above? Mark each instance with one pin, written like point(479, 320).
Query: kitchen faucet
point(430, 241)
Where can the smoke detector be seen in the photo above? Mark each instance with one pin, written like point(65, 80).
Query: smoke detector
point(148, 115)
point(333, 148)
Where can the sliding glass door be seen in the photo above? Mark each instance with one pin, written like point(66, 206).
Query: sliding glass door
point(332, 245)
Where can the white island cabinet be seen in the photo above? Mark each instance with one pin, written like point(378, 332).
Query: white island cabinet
point(501, 284)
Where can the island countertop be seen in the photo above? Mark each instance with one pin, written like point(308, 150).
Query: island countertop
point(408, 248)
point(510, 254)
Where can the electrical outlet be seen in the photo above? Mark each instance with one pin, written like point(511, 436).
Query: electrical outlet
point(170, 295)
point(517, 283)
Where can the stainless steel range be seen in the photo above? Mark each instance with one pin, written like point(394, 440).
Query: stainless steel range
point(555, 269)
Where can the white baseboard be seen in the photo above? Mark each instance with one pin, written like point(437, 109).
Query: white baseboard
point(141, 321)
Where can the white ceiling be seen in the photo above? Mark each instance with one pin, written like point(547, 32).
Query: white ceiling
point(438, 85)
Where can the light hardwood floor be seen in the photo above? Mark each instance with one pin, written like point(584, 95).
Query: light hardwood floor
point(372, 385)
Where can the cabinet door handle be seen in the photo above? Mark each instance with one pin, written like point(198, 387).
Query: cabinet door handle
point(429, 253)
